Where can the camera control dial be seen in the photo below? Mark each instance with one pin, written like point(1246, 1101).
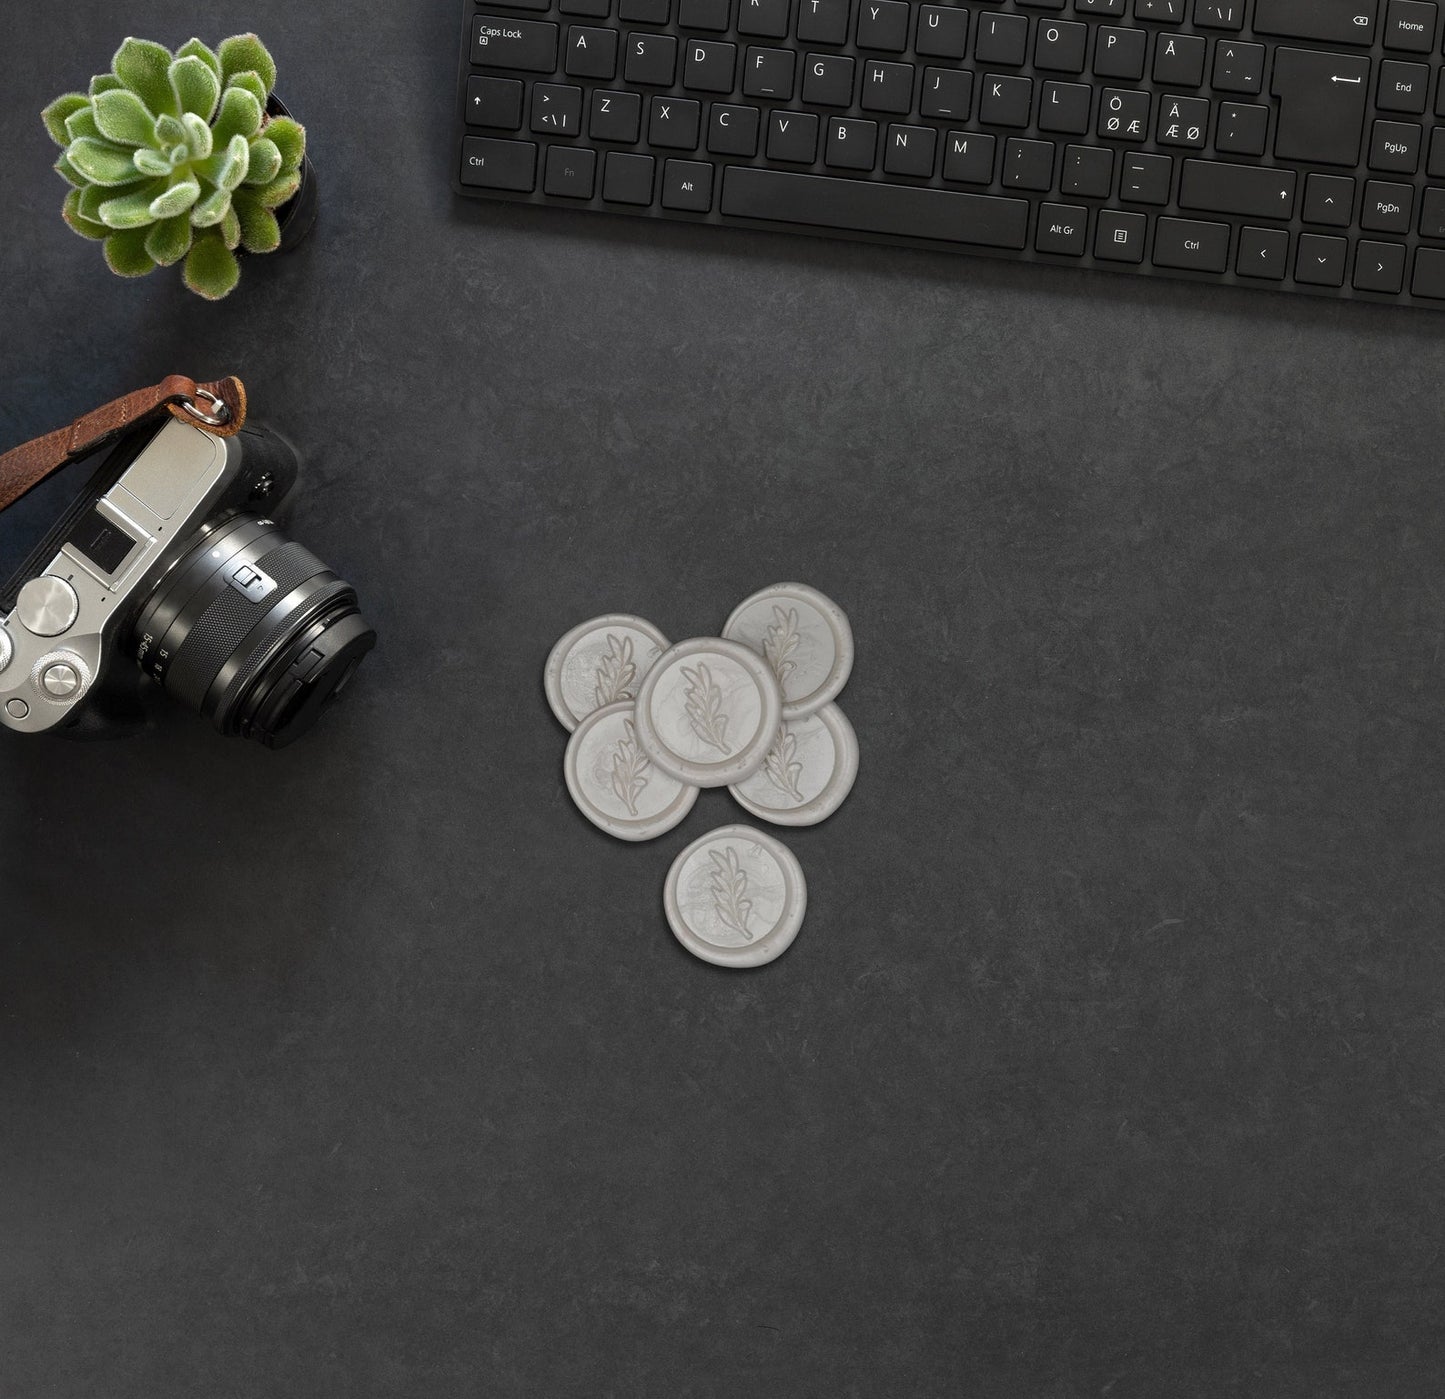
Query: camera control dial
point(47, 606)
point(7, 649)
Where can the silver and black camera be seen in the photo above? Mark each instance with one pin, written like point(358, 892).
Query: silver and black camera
point(168, 564)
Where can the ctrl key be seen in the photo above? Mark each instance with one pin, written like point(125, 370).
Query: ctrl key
point(493, 164)
point(1429, 274)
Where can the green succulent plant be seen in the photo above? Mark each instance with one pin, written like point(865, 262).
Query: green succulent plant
point(172, 157)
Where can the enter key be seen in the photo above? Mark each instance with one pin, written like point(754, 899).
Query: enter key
point(1322, 105)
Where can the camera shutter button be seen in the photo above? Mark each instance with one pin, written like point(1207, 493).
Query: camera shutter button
point(47, 606)
point(61, 680)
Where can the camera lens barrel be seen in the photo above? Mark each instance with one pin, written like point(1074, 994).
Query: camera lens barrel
point(251, 630)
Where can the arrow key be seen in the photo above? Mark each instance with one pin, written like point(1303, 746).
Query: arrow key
point(1329, 200)
point(1320, 261)
point(1380, 267)
point(1264, 253)
point(494, 102)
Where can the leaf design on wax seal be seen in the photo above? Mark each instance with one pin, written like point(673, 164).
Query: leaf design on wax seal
point(780, 765)
point(729, 891)
point(705, 708)
point(781, 641)
point(629, 768)
point(616, 672)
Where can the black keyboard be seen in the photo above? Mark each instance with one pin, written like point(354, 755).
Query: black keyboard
point(1291, 145)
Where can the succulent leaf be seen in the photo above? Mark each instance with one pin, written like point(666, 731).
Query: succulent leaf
point(70, 174)
point(170, 240)
point(126, 254)
point(199, 141)
point(83, 123)
point(100, 162)
point(196, 87)
point(231, 230)
point(265, 162)
point(122, 117)
point(87, 228)
point(274, 195)
point(250, 82)
point(289, 137)
point(55, 114)
point(104, 82)
point(180, 197)
point(194, 48)
point(246, 53)
point(240, 115)
point(152, 163)
point(144, 67)
point(211, 267)
point(170, 132)
point(212, 209)
point(130, 210)
point(260, 233)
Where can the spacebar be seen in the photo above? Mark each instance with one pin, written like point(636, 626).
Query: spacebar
point(865, 206)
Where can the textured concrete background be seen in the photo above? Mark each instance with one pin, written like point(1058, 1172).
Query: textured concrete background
point(1109, 1060)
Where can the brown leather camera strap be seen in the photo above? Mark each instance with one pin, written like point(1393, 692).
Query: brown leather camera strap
point(219, 408)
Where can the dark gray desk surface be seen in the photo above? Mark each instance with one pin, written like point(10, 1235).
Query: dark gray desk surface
point(1109, 1061)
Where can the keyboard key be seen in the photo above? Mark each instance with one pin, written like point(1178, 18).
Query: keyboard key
point(767, 19)
point(673, 122)
point(1146, 179)
point(768, 73)
point(1006, 101)
point(1063, 230)
point(644, 11)
point(828, 80)
point(942, 32)
point(968, 158)
point(852, 144)
point(1263, 253)
point(1059, 46)
point(494, 102)
point(1326, 21)
point(1124, 115)
point(522, 44)
point(1100, 7)
point(1179, 60)
point(1222, 14)
point(1088, 170)
point(1323, 97)
point(1001, 39)
point(492, 164)
point(1320, 261)
point(1064, 107)
point(651, 59)
point(591, 53)
point(886, 87)
point(1329, 200)
point(733, 130)
point(793, 136)
point(1243, 129)
point(571, 171)
point(1432, 214)
point(1395, 145)
point(1255, 191)
point(823, 21)
point(627, 179)
point(1404, 87)
point(1387, 208)
point(1238, 67)
point(687, 184)
point(1410, 26)
point(1183, 121)
point(1119, 53)
point(1161, 11)
point(615, 116)
point(1189, 244)
point(883, 24)
point(1379, 267)
point(710, 15)
point(867, 206)
point(1429, 279)
point(1120, 237)
point(1028, 164)
point(709, 66)
point(556, 109)
point(947, 92)
point(592, 9)
point(910, 150)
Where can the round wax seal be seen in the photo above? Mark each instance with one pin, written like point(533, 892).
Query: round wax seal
point(599, 663)
point(804, 637)
point(613, 782)
point(807, 773)
point(707, 712)
point(736, 897)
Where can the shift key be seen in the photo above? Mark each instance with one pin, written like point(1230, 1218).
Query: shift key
point(1214, 187)
point(521, 44)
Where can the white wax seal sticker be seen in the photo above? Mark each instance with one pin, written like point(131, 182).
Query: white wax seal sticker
point(808, 772)
point(804, 637)
point(707, 712)
point(613, 782)
point(736, 897)
point(599, 663)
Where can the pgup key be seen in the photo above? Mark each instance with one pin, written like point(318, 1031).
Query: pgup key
point(1322, 106)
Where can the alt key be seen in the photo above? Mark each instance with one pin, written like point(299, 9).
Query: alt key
point(1063, 229)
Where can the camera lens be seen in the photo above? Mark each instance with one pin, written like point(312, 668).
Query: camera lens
point(251, 630)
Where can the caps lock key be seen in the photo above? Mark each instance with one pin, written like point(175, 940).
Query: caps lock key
point(520, 44)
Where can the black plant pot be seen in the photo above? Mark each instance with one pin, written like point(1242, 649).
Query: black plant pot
point(297, 216)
